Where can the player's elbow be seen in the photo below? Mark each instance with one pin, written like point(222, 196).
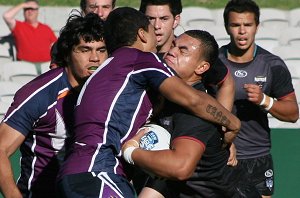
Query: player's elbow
point(294, 118)
point(184, 174)
point(183, 171)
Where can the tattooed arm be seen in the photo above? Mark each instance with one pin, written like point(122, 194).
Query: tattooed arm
point(200, 103)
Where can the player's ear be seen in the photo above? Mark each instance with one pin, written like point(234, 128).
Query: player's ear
point(142, 35)
point(202, 67)
point(176, 21)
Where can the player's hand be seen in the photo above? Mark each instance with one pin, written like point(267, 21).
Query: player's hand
point(254, 93)
point(232, 161)
point(135, 140)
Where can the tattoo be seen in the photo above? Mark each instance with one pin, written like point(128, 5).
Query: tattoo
point(218, 115)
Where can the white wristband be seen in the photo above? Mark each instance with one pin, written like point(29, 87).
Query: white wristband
point(270, 104)
point(263, 100)
point(127, 154)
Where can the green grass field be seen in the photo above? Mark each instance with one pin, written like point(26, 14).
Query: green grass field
point(282, 4)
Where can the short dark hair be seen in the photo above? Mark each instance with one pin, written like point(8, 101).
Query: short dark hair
point(89, 28)
point(241, 6)
point(175, 5)
point(121, 27)
point(209, 45)
point(83, 4)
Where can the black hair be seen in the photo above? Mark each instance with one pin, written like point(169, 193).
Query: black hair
point(209, 45)
point(121, 27)
point(89, 28)
point(241, 6)
point(83, 4)
point(175, 5)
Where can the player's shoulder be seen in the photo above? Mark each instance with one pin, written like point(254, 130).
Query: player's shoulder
point(50, 80)
point(268, 57)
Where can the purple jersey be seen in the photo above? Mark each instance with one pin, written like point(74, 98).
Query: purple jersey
point(111, 107)
point(39, 113)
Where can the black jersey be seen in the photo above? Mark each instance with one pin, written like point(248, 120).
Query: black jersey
point(212, 177)
point(273, 76)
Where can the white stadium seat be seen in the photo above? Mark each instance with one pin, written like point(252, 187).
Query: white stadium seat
point(220, 35)
point(267, 38)
point(12, 71)
point(56, 17)
point(4, 53)
point(290, 36)
point(274, 18)
point(197, 17)
point(3, 108)
point(294, 17)
point(8, 90)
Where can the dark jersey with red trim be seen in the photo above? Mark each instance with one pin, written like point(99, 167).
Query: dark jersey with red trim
point(271, 73)
point(212, 176)
point(183, 124)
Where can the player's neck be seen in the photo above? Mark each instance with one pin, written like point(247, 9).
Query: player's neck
point(241, 56)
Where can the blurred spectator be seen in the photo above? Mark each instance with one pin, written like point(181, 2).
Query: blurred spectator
point(33, 39)
point(100, 7)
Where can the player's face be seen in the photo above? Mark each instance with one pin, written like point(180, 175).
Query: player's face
point(184, 56)
point(242, 29)
point(86, 57)
point(100, 7)
point(163, 21)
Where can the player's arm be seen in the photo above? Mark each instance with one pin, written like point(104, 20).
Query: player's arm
point(226, 92)
point(225, 96)
point(284, 109)
point(10, 140)
point(177, 163)
point(200, 103)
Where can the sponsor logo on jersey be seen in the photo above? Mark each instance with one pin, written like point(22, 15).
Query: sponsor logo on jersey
point(240, 73)
point(260, 80)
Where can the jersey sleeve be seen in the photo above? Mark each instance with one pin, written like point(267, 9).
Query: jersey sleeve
point(282, 80)
point(190, 126)
point(23, 113)
point(154, 70)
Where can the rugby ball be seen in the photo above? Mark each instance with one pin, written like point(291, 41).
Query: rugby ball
point(157, 138)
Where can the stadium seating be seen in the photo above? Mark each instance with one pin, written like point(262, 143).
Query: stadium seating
point(220, 34)
point(290, 36)
point(45, 67)
point(18, 71)
point(57, 17)
point(197, 17)
point(3, 108)
point(294, 17)
point(267, 38)
point(274, 18)
point(4, 54)
point(8, 90)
